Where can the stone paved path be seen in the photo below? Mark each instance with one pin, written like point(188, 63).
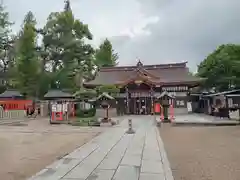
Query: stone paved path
point(202, 119)
point(115, 155)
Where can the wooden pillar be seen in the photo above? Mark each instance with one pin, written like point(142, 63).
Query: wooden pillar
point(152, 103)
point(127, 98)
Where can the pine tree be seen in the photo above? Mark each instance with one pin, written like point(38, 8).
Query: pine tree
point(70, 57)
point(105, 56)
point(6, 41)
point(27, 61)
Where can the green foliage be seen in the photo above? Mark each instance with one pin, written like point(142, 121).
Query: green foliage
point(105, 56)
point(6, 41)
point(62, 60)
point(221, 68)
point(84, 93)
point(26, 62)
point(71, 59)
point(110, 89)
point(2, 89)
point(86, 113)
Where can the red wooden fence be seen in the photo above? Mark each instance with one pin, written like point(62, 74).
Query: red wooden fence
point(15, 104)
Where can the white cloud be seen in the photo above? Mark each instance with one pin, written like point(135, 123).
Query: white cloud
point(139, 29)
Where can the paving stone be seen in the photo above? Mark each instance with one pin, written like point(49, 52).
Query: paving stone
point(151, 155)
point(112, 160)
point(58, 169)
point(127, 172)
point(82, 152)
point(84, 169)
point(115, 152)
point(81, 171)
point(148, 176)
point(149, 166)
point(101, 175)
point(131, 160)
point(166, 165)
point(64, 163)
point(152, 145)
point(110, 163)
point(135, 151)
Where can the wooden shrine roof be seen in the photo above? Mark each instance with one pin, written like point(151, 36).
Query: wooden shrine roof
point(162, 74)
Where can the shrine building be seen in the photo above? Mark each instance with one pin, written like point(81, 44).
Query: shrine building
point(141, 85)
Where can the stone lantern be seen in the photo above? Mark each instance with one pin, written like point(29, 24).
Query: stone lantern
point(104, 99)
point(165, 98)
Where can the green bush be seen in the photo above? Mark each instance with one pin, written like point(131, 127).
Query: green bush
point(86, 113)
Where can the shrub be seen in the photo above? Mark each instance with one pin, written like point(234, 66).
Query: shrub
point(86, 113)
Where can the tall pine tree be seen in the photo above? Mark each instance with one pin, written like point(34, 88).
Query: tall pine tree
point(27, 61)
point(105, 56)
point(70, 56)
point(6, 41)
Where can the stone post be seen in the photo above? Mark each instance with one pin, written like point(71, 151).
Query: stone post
point(130, 129)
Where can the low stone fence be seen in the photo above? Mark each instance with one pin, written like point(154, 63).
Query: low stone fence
point(235, 115)
point(12, 114)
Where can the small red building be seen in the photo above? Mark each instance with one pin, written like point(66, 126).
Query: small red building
point(14, 100)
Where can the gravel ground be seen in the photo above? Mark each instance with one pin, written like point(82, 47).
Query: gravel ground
point(26, 150)
point(203, 153)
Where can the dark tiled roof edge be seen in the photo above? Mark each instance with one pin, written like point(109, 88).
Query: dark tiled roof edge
point(146, 67)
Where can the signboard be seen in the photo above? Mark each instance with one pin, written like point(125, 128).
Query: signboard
point(54, 108)
point(189, 106)
point(65, 107)
point(140, 94)
point(174, 89)
point(59, 107)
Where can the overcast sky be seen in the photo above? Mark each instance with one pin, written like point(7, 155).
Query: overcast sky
point(155, 31)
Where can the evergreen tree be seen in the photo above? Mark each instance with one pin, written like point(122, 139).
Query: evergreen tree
point(27, 62)
point(105, 56)
point(71, 59)
point(6, 41)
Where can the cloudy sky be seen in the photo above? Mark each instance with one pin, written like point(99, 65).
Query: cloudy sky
point(155, 31)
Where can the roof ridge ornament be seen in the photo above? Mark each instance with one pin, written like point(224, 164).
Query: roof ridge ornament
point(139, 64)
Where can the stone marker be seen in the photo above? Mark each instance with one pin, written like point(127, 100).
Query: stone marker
point(158, 121)
point(130, 129)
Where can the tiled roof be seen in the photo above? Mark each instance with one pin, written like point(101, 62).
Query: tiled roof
point(57, 94)
point(165, 73)
point(11, 94)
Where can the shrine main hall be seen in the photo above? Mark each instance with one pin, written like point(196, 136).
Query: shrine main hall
point(141, 85)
